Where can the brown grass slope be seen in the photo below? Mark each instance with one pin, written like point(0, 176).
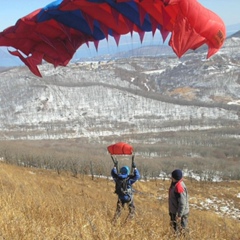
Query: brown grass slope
point(40, 204)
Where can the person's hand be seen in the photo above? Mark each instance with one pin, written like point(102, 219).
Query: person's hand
point(134, 165)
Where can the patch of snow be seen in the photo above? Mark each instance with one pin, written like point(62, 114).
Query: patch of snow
point(203, 176)
point(155, 71)
point(234, 102)
point(219, 206)
point(145, 84)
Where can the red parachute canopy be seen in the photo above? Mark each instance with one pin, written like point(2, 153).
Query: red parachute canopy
point(55, 32)
point(120, 148)
point(195, 25)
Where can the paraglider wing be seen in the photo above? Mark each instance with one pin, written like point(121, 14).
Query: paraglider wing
point(194, 26)
point(50, 41)
point(120, 148)
point(55, 32)
point(191, 24)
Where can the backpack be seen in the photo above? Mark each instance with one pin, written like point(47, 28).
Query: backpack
point(122, 188)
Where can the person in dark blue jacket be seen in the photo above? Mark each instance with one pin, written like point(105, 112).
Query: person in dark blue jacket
point(124, 181)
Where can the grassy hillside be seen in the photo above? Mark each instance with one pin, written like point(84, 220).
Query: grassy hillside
point(40, 204)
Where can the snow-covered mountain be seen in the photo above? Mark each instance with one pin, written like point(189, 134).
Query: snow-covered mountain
point(138, 96)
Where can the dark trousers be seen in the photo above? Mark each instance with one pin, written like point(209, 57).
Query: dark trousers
point(178, 227)
point(120, 206)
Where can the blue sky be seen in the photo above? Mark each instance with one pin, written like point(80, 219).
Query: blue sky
point(12, 10)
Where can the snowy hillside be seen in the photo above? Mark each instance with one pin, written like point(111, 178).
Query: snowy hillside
point(128, 96)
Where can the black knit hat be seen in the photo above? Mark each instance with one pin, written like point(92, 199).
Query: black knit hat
point(177, 174)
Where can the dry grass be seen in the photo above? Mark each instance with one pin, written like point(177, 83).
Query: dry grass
point(39, 204)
